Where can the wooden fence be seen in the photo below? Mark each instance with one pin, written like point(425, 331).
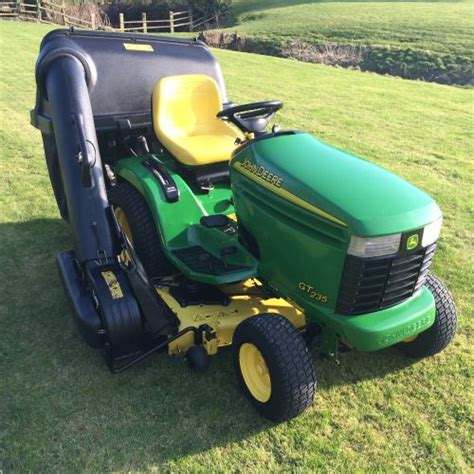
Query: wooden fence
point(47, 11)
point(176, 20)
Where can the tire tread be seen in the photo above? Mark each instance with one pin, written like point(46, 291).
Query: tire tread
point(296, 378)
point(440, 334)
point(146, 240)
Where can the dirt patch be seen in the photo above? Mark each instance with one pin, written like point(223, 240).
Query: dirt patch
point(328, 53)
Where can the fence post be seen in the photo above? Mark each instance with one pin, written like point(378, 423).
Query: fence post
point(122, 22)
point(191, 21)
point(145, 30)
point(18, 7)
point(171, 22)
point(93, 24)
point(38, 10)
point(63, 13)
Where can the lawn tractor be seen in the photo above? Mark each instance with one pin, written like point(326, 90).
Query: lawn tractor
point(197, 225)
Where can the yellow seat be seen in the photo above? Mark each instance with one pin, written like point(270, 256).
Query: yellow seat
point(185, 122)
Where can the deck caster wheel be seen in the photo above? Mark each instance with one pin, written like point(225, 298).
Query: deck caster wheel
point(198, 359)
point(274, 367)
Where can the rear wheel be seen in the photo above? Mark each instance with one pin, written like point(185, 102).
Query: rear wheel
point(440, 334)
point(274, 367)
point(135, 219)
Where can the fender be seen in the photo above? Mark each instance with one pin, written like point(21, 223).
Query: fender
point(178, 221)
point(178, 215)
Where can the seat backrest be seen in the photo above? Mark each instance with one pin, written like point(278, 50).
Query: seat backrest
point(186, 105)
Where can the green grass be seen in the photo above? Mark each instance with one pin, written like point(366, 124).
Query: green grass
point(60, 408)
point(440, 27)
point(431, 41)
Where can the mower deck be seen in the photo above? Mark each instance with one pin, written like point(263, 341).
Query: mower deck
point(245, 300)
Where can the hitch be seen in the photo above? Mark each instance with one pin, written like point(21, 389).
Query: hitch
point(203, 334)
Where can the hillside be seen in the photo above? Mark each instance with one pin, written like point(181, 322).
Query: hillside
point(427, 40)
point(438, 27)
point(62, 411)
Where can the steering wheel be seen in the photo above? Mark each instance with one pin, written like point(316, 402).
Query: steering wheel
point(251, 118)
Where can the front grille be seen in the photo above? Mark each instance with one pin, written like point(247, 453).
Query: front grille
point(372, 284)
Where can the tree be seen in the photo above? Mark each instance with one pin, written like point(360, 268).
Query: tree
point(210, 8)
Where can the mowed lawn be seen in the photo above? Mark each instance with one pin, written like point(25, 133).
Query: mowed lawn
point(438, 27)
point(60, 408)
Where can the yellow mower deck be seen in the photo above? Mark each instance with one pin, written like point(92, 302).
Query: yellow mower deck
point(246, 301)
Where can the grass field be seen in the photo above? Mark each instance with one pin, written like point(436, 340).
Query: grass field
point(443, 27)
point(60, 408)
point(430, 41)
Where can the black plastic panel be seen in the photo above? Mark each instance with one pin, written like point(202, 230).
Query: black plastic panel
point(82, 305)
point(200, 261)
point(121, 80)
point(372, 284)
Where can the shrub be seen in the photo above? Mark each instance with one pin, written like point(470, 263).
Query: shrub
point(416, 64)
point(407, 63)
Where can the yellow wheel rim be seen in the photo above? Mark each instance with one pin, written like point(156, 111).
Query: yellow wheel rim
point(123, 223)
point(255, 372)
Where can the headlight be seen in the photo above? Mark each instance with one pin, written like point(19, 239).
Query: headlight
point(390, 244)
point(374, 246)
point(431, 233)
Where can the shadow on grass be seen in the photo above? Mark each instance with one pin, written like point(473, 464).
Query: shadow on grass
point(77, 414)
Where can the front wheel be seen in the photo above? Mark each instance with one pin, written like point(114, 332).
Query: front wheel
point(274, 366)
point(440, 334)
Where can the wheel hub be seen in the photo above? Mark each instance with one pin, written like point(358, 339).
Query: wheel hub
point(255, 372)
point(123, 223)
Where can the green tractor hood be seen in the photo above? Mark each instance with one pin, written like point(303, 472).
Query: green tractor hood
point(343, 189)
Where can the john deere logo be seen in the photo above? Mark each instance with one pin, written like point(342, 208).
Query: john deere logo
point(412, 242)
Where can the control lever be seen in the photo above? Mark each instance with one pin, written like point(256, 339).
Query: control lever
point(216, 220)
point(164, 178)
